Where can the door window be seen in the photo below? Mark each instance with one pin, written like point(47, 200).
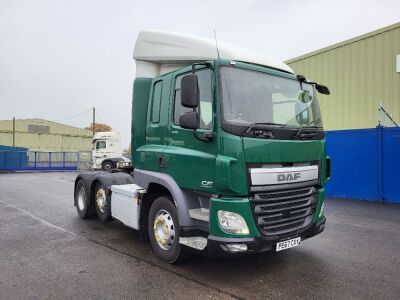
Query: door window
point(155, 111)
point(100, 145)
point(205, 89)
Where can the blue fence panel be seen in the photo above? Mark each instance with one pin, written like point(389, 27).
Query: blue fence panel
point(31, 160)
point(391, 164)
point(11, 158)
point(355, 166)
point(365, 164)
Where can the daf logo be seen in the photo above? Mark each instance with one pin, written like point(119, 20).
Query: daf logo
point(288, 177)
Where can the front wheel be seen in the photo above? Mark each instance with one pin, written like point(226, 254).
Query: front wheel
point(164, 230)
point(108, 166)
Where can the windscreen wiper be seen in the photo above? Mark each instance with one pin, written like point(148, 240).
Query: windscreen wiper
point(298, 132)
point(267, 134)
point(306, 135)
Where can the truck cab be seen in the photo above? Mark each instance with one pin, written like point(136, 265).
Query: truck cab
point(106, 151)
point(229, 149)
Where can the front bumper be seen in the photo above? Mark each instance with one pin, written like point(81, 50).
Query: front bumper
point(218, 246)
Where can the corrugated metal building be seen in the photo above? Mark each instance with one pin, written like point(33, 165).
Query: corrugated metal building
point(361, 73)
point(43, 135)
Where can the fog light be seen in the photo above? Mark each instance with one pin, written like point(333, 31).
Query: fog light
point(321, 210)
point(231, 222)
point(237, 247)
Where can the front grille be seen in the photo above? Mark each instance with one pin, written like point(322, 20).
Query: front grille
point(284, 212)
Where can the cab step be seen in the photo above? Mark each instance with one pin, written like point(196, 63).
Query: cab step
point(196, 242)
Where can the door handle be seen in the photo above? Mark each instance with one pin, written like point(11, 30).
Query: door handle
point(161, 162)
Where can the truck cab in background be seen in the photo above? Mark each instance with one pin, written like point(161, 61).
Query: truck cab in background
point(107, 152)
point(229, 152)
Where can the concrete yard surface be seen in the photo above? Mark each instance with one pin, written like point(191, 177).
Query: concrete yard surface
point(48, 252)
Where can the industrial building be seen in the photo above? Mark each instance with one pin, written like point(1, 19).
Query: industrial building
point(44, 135)
point(362, 73)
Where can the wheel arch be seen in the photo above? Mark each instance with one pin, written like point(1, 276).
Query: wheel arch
point(182, 200)
point(153, 191)
point(113, 160)
point(108, 160)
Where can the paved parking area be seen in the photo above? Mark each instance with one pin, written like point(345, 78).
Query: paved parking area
point(46, 251)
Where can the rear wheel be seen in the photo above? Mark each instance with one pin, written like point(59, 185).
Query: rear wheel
point(164, 230)
point(102, 202)
point(81, 200)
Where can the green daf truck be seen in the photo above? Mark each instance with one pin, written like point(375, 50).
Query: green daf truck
point(228, 152)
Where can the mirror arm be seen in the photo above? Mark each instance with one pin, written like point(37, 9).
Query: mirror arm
point(203, 63)
point(302, 79)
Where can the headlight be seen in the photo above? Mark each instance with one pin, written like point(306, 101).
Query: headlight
point(321, 210)
point(231, 222)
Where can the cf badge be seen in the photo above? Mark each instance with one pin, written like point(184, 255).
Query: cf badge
point(207, 184)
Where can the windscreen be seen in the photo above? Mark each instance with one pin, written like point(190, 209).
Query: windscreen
point(250, 97)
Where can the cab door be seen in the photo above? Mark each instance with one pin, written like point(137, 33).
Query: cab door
point(99, 153)
point(151, 154)
point(189, 160)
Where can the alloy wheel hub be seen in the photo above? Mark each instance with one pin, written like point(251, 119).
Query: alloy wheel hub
point(101, 200)
point(164, 230)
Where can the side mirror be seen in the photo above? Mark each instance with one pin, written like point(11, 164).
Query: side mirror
point(190, 91)
point(302, 115)
point(189, 120)
point(323, 89)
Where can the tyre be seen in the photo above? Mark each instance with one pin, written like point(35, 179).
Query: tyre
point(102, 202)
point(164, 230)
point(81, 200)
point(107, 166)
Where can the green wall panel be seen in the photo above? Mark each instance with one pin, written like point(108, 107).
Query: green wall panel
point(361, 74)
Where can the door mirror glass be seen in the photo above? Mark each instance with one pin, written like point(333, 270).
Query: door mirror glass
point(190, 91)
point(189, 120)
point(302, 114)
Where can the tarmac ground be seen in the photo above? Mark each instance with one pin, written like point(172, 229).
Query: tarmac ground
point(48, 252)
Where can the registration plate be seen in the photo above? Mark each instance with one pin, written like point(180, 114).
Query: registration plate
point(288, 244)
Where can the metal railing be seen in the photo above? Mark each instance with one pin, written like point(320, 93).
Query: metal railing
point(84, 160)
point(38, 160)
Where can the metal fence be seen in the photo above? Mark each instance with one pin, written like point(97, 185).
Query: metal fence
point(365, 164)
point(37, 160)
point(84, 160)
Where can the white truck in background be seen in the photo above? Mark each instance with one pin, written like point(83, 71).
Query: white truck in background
point(107, 152)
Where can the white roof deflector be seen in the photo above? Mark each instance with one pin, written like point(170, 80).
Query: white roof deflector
point(158, 52)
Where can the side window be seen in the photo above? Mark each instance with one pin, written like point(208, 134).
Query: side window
point(155, 109)
point(101, 145)
point(206, 98)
